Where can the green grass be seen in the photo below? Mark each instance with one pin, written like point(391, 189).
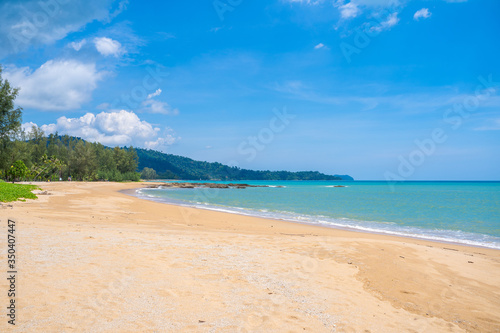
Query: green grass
point(13, 192)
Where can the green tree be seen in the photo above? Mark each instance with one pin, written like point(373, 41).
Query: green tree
point(38, 142)
point(47, 168)
point(21, 149)
point(10, 120)
point(125, 159)
point(83, 161)
point(17, 171)
point(148, 173)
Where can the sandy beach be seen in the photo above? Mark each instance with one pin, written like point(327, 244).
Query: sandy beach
point(94, 259)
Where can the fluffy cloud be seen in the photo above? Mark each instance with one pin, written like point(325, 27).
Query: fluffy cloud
point(156, 93)
point(319, 46)
point(422, 13)
point(349, 10)
point(151, 105)
point(33, 22)
point(116, 128)
point(391, 21)
point(77, 45)
point(57, 85)
point(107, 46)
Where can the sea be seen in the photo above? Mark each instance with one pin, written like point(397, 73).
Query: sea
point(463, 212)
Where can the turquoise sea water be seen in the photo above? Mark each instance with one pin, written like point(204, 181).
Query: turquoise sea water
point(462, 212)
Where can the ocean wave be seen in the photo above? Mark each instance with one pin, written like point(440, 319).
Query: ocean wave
point(387, 228)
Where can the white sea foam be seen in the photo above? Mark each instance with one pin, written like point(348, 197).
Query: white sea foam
point(388, 228)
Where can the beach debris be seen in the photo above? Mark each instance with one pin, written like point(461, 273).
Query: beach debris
point(401, 257)
point(44, 193)
point(201, 321)
point(470, 262)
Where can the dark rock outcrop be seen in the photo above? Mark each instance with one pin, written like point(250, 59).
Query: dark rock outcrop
point(205, 185)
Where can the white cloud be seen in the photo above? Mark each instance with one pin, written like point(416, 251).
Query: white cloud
point(107, 46)
point(32, 22)
point(372, 8)
point(28, 126)
point(161, 143)
point(422, 13)
point(349, 10)
point(122, 5)
point(57, 85)
point(391, 21)
point(78, 45)
point(319, 46)
point(156, 93)
point(153, 106)
point(116, 128)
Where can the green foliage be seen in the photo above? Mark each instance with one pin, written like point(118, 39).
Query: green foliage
point(13, 192)
point(73, 157)
point(48, 168)
point(17, 171)
point(116, 176)
point(171, 166)
point(131, 176)
point(10, 121)
point(148, 173)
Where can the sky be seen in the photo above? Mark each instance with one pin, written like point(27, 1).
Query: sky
point(377, 89)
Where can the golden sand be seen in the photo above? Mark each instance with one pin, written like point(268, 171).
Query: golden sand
point(92, 259)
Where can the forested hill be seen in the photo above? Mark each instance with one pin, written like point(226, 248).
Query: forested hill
point(39, 157)
point(170, 166)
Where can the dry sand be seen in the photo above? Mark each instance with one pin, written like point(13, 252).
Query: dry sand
point(91, 259)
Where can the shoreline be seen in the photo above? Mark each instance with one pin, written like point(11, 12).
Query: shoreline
point(235, 210)
point(95, 257)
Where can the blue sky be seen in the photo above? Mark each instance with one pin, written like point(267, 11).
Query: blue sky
point(378, 89)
